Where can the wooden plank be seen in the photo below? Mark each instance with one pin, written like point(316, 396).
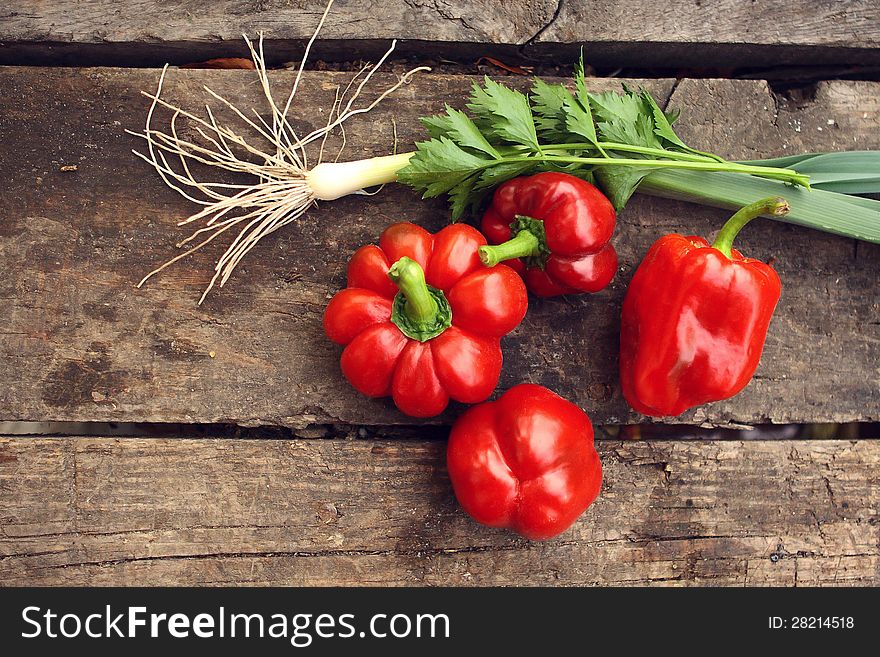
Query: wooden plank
point(81, 344)
point(100, 511)
point(726, 33)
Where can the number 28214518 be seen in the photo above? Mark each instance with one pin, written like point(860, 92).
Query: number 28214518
point(811, 623)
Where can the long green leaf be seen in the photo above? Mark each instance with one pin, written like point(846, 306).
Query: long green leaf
point(849, 172)
point(819, 209)
point(851, 161)
point(861, 201)
point(854, 183)
point(787, 161)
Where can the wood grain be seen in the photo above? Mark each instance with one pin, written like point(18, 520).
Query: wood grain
point(725, 33)
point(79, 343)
point(98, 511)
point(199, 20)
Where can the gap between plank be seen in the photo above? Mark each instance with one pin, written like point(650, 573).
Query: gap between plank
point(772, 432)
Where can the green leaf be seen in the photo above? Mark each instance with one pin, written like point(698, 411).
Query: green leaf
point(439, 165)
point(849, 172)
point(495, 175)
point(580, 118)
point(663, 126)
point(437, 125)
point(466, 134)
point(579, 121)
point(504, 112)
point(861, 201)
point(610, 106)
point(627, 119)
point(619, 183)
point(460, 197)
point(853, 183)
point(623, 119)
point(458, 127)
point(823, 210)
point(548, 107)
point(561, 117)
point(477, 203)
point(792, 160)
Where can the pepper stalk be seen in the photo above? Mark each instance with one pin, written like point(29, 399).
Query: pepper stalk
point(774, 206)
point(529, 242)
point(420, 311)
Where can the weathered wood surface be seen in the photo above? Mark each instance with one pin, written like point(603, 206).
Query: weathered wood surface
point(80, 343)
point(98, 511)
point(725, 33)
point(637, 33)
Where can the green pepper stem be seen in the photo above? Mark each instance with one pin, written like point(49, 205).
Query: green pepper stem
point(523, 245)
point(773, 205)
point(408, 276)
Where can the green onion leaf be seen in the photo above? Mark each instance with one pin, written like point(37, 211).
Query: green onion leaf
point(819, 209)
point(849, 172)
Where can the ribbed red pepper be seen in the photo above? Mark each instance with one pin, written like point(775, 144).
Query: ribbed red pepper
point(525, 462)
point(553, 229)
point(422, 318)
point(695, 318)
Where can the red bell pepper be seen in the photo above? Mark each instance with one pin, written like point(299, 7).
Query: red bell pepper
point(695, 318)
point(422, 318)
point(525, 462)
point(553, 229)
